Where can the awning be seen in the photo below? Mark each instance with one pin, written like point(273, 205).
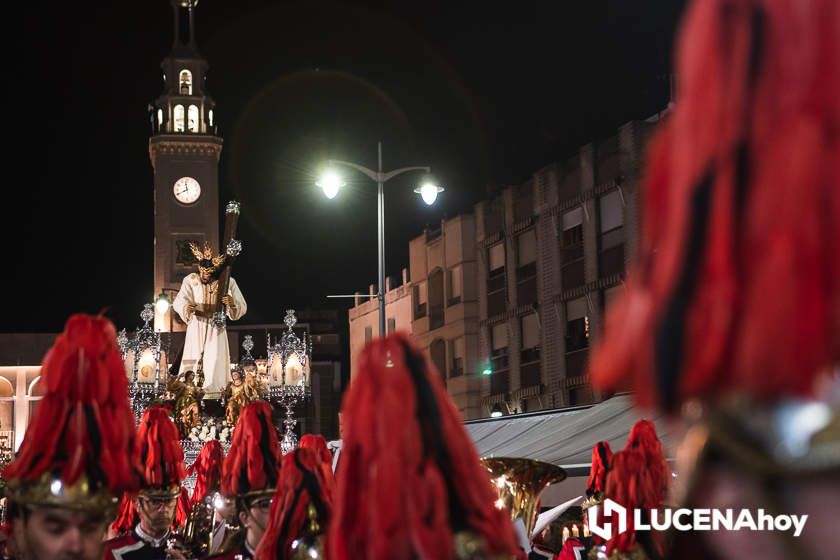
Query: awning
point(564, 437)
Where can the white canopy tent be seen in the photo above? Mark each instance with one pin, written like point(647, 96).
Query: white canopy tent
point(565, 437)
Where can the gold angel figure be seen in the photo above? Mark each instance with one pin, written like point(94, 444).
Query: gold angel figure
point(237, 394)
point(187, 395)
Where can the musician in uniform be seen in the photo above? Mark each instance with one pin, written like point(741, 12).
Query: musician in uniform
point(730, 319)
point(74, 459)
point(206, 344)
point(249, 477)
point(301, 508)
point(159, 457)
point(410, 484)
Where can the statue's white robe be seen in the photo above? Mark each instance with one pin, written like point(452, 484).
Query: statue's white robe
point(203, 336)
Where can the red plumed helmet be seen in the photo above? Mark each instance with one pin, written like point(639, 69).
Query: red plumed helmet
point(77, 448)
point(301, 507)
point(638, 479)
point(252, 464)
point(208, 471)
point(159, 454)
point(737, 284)
point(597, 483)
point(317, 443)
point(409, 479)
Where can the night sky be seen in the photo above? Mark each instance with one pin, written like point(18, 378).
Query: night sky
point(485, 95)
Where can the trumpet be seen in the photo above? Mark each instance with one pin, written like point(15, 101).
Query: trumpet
point(519, 483)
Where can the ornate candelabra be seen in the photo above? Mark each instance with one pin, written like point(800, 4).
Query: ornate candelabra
point(145, 349)
point(288, 371)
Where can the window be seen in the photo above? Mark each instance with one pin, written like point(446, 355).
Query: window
point(210, 117)
point(500, 379)
point(419, 296)
point(7, 420)
point(368, 334)
point(185, 81)
point(526, 247)
point(611, 234)
point(526, 271)
point(392, 325)
point(192, 118)
point(496, 257)
point(160, 117)
point(35, 393)
point(496, 297)
point(437, 351)
point(455, 288)
point(436, 319)
point(178, 118)
point(577, 324)
point(572, 273)
point(580, 395)
point(530, 355)
point(457, 357)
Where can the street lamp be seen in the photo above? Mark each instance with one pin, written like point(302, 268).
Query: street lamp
point(331, 182)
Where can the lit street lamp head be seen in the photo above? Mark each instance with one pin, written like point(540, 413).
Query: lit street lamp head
point(330, 182)
point(162, 303)
point(429, 192)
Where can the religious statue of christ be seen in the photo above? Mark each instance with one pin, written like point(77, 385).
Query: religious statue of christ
point(206, 346)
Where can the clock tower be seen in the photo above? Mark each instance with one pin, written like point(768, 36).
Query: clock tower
point(184, 150)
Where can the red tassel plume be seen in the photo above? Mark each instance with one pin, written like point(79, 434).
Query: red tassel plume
point(301, 476)
point(158, 451)
point(182, 508)
point(638, 479)
point(253, 460)
point(318, 444)
point(394, 498)
point(208, 471)
point(601, 458)
point(739, 257)
point(84, 425)
point(127, 516)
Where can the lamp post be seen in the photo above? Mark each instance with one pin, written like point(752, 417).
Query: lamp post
point(331, 182)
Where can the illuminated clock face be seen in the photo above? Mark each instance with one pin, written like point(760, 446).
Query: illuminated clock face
point(186, 190)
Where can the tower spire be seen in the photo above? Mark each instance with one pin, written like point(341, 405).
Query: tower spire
point(184, 22)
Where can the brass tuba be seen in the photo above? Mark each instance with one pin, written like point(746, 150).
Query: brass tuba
point(519, 483)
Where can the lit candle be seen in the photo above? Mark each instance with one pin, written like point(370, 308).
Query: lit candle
point(575, 532)
point(585, 530)
point(565, 533)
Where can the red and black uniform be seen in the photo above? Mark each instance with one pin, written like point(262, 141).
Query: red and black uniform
point(136, 545)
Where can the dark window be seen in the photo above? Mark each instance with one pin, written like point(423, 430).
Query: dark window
point(577, 334)
point(457, 367)
point(530, 376)
point(392, 325)
point(368, 333)
point(580, 395)
point(436, 299)
point(499, 382)
point(571, 247)
point(526, 284)
point(576, 363)
point(419, 306)
point(611, 234)
point(496, 292)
